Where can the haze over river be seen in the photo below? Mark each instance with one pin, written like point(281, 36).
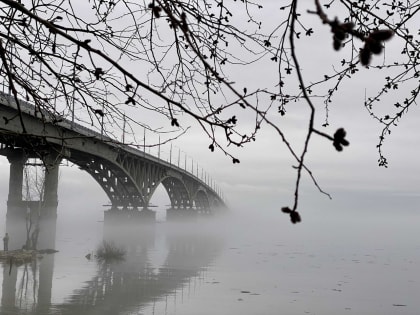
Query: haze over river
point(334, 262)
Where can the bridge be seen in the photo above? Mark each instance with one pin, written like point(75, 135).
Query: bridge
point(128, 176)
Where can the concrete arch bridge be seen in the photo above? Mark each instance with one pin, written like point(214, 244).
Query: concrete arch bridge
point(128, 176)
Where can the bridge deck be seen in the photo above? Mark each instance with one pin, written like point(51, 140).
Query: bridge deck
point(128, 175)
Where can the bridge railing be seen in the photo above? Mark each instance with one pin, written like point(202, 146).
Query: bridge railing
point(63, 122)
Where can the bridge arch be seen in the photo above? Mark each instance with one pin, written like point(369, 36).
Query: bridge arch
point(178, 192)
point(128, 176)
point(119, 186)
point(201, 200)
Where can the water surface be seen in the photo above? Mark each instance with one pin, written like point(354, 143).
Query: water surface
point(247, 264)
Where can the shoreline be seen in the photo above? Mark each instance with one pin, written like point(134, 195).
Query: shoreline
point(21, 256)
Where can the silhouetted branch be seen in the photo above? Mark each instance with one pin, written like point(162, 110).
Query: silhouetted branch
point(163, 66)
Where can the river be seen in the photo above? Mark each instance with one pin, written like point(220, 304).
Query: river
point(237, 264)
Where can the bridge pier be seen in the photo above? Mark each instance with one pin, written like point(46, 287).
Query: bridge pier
point(48, 210)
point(16, 207)
point(50, 199)
point(23, 217)
point(175, 214)
point(126, 216)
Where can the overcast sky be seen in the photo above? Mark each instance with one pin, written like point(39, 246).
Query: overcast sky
point(264, 180)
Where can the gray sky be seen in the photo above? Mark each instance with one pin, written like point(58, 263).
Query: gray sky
point(264, 180)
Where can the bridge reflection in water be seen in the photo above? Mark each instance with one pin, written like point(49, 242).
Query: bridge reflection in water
point(132, 285)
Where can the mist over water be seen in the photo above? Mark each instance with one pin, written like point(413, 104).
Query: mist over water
point(248, 261)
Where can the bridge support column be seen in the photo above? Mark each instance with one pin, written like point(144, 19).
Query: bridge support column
point(23, 217)
point(48, 211)
point(52, 165)
point(16, 208)
point(181, 214)
point(17, 159)
point(124, 217)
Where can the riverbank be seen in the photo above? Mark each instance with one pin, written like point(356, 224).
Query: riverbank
point(21, 256)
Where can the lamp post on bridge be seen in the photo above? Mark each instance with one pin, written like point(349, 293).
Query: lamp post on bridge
point(102, 121)
point(72, 110)
point(123, 130)
point(159, 148)
point(144, 141)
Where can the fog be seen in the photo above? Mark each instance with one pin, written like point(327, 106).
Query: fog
point(356, 254)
